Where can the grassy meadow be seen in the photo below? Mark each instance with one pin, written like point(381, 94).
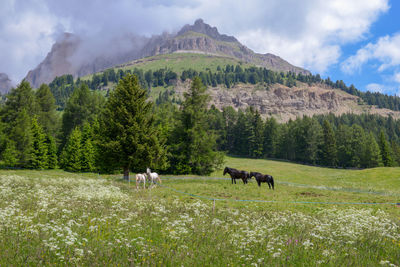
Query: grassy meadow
point(61, 218)
point(179, 62)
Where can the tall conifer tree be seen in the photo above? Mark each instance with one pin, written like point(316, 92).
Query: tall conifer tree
point(329, 151)
point(128, 137)
point(71, 156)
point(39, 152)
point(47, 116)
point(385, 150)
point(51, 152)
point(194, 148)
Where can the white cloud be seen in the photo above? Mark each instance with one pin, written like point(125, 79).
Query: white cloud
point(307, 33)
point(375, 88)
point(396, 77)
point(26, 36)
point(318, 29)
point(386, 51)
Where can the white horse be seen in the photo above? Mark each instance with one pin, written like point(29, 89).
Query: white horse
point(153, 177)
point(140, 178)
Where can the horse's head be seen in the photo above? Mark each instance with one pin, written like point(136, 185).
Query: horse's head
point(148, 170)
point(226, 170)
point(252, 174)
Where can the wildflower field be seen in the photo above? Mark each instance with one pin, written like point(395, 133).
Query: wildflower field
point(60, 218)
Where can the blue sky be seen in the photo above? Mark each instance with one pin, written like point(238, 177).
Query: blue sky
point(357, 41)
point(368, 76)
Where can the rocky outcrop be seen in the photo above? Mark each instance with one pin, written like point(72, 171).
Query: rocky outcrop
point(286, 103)
point(200, 27)
point(5, 83)
point(202, 37)
point(56, 62)
point(67, 55)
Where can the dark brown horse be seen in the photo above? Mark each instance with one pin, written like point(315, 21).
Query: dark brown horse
point(261, 178)
point(236, 174)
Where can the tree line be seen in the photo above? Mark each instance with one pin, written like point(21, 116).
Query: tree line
point(63, 86)
point(94, 133)
point(349, 141)
point(126, 131)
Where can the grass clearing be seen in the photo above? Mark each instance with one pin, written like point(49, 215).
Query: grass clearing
point(178, 62)
point(61, 218)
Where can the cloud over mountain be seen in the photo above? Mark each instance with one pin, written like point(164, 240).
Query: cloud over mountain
point(307, 33)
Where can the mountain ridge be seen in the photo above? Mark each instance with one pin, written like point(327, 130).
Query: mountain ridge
point(60, 60)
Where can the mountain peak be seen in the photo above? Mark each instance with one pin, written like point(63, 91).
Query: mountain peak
point(5, 83)
point(201, 27)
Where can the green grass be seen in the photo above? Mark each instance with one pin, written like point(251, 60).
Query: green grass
point(179, 62)
point(60, 218)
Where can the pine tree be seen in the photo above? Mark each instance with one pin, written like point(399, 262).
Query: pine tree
point(313, 141)
point(21, 136)
point(258, 128)
point(244, 136)
point(230, 117)
point(270, 137)
point(329, 152)
point(372, 157)
point(83, 106)
point(128, 138)
point(88, 149)
point(9, 154)
point(16, 115)
point(395, 153)
point(344, 150)
point(71, 155)
point(38, 158)
point(52, 160)
point(385, 150)
point(193, 150)
point(357, 145)
point(20, 98)
point(47, 116)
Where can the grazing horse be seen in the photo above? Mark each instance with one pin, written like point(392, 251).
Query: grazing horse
point(153, 177)
point(140, 178)
point(261, 178)
point(236, 174)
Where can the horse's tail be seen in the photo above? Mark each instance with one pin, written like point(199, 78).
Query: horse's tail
point(159, 179)
point(272, 182)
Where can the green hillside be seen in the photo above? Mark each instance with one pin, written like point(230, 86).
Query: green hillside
point(179, 62)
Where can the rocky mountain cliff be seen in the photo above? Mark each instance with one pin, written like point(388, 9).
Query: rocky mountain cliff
point(286, 103)
point(5, 83)
point(66, 56)
point(204, 38)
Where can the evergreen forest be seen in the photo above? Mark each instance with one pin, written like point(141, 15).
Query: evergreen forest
point(74, 125)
